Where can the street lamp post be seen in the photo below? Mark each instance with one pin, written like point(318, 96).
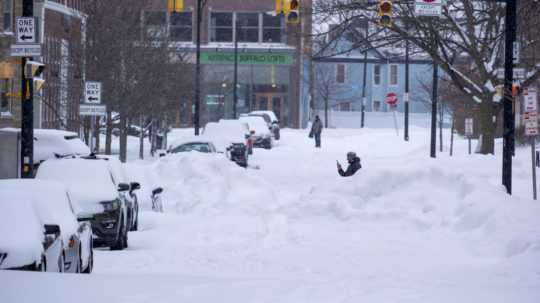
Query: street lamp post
point(235, 87)
point(197, 118)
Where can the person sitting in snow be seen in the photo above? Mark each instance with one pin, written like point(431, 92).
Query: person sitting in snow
point(354, 165)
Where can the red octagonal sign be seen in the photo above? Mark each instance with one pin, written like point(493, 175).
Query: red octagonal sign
point(391, 98)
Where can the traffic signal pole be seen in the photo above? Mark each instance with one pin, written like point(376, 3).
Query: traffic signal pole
point(406, 97)
point(27, 109)
point(235, 88)
point(433, 145)
point(197, 113)
point(508, 133)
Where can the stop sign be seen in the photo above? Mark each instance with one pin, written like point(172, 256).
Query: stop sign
point(391, 98)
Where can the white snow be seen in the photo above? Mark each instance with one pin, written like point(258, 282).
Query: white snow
point(406, 228)
point(257, 124)
point(225, 132)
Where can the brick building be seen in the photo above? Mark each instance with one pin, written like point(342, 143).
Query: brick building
point(274, 62)
point(61, 26)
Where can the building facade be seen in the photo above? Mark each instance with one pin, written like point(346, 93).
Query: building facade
point(61, 27)
point(272, 55)
point(339, 79)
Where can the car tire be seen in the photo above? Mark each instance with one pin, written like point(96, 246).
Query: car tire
point(90, 267)
point(61, 263)
point(136, 224)
point(42, 267)
point(119, 243)
point(125, 240)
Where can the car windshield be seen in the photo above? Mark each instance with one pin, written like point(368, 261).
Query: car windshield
point(199, 147)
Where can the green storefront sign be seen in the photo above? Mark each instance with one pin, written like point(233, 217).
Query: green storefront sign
point(247, 58)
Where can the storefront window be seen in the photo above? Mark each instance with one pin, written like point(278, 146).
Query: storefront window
point(155, 24)
point(221, 27)
point(247, 27)
point(271, 29)
point(7, 9)
point(181, 26)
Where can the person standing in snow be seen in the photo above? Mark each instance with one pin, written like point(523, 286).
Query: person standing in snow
point(354, 165)
point(316, 130)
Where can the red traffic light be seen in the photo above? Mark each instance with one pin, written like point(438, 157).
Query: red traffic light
point(385, 7)
point(294, 4)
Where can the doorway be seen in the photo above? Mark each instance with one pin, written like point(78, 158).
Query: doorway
point(275, 102)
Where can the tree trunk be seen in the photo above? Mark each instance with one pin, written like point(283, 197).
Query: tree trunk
point(441, 123)
point(326, 112)
point(487, 129)
point(108, 134)
point(96, 134)
point(123, 138)
point(86, 133)
point(141, 137)
point(452, 136)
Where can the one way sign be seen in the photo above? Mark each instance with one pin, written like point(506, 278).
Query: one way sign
point(26, 30)
point(92, 93)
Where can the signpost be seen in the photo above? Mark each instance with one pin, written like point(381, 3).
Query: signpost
point(428, 8)
point(518, 73)
point(530, 118)
point(469, 130)
point(92, 107)
point(26, 38)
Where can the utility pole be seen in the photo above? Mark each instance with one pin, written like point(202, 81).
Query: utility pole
point(508, 133)
point(434, 110)
point(27, 110)
point(235, 88)
point(364, 80)
point(406, 96)
point(197, 114)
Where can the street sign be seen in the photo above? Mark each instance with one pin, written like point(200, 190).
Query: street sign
point(429, 8)
point(469, 127)
point(26, 30)
point(92, 92)
point(530, 116)
point(519, 73)
point(25, 50)
point(93, 110)
point(391, 99)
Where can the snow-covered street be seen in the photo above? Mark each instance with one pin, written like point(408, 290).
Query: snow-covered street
point(406, 228)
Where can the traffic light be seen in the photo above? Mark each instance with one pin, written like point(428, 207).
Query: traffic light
point(175, 6)
point(279, 7)
point(385, 13)
point(292, 11)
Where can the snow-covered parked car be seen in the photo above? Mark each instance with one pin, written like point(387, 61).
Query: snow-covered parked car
point(259, 127)
point(130, 197)
point(26, 242)
point(189, 146)
point(90, 183)
point(229, 136)
point(271, 119)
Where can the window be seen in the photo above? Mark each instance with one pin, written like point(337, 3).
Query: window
point(340, 73)
point(181, 26)
point(155, 24)
point(221, 27)
point(376, 106)
point(7, 9)
point(377, 74)
point(247, 27)
point(272, 29)
point(393, 74)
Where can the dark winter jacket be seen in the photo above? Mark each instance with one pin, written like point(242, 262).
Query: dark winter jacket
point(354, 166)
point(316, 128)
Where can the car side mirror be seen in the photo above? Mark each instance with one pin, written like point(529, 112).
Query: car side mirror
point(52, 229)
point(123, 187)
point(135, 186)
point(157, 191)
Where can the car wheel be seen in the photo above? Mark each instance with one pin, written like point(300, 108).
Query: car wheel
point(78, 270)
point(125, 241)
point(61, 263)
point(122, 237)
point(90, 265)
point(136, 224)
point(43, 265)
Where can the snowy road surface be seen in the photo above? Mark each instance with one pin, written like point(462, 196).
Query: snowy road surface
point(406, 228)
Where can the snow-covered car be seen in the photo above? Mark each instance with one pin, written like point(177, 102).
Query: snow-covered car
point(262, 134)
point(55, 207)
point(230, 137)
point(198, 146)
point(91, 184)
point(271, 119)
point(26, 242)
point(130, 197)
